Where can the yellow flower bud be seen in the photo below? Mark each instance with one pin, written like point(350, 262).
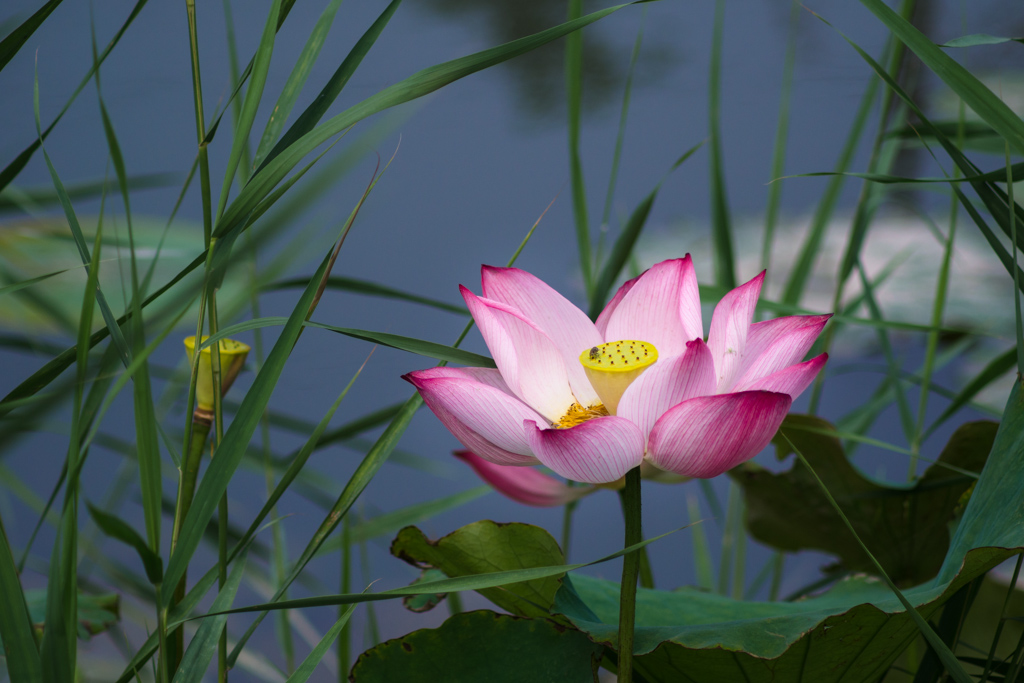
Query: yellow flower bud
point(232, 358)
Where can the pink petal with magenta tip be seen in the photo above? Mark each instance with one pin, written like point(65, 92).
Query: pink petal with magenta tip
point(729, 327)
point(762, 334)
point(596, 452)
point(489, 376)
point(792, 380)
point(668, 383)
point(662, 308)
point(493, 414)
point(529, 361)
point(440, 396)
point(524, 485)
point(567, 326)
point(706, 436)
point(787, 349)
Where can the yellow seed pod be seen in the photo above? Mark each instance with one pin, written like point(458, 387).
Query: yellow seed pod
point(613, 366)
point(232, 358)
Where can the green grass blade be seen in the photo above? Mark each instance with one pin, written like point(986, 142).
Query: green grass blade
point(733, 506)
point(366, 287)
point(146, 437)
point(200, 650)
point(245, 165)
point(90, 411)
point(721, 225)
point(906, 417)
point(297, 462)
point(701, 554)
point(182, 610)
point(979, 98)
point(347, 431)
point(978, 39)
point(620, 138)
point(17, 198)
point(23, 663)
point(16, 286)
point(462, 583)
point(11, 171)
point(359, 480)
point(1017, 279)
point(390, 522)
point(623, 248)
point(998, 175)
point(79, 237)
point(147, 443)
point(574, 90)
point(58, 649)
point(253, 95)
point(995, 200)
point(103, 399)
point(781, 137)
point(295, 82)
point(117, 528)
point(996, 368)
point(938, 310)
point(329, 93)
point(395, 341)
point(309, 664)
point(419, 84)
point(993, 240)
point(14, 40)
point(804, 266)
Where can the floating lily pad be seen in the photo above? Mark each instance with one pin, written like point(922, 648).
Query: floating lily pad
point(906, 528)
point(487, 546)
point(484, 646)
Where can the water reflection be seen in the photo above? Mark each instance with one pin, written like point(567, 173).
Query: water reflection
point(539, 75)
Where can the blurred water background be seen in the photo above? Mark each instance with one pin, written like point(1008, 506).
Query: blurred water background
point(476, 165)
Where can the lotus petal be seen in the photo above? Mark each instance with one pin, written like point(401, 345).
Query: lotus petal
point(464, 406)
point(668, 383)
point(529, 361)
point(706, 436)
point(792, 380)
point(662, 308)
point(524, 485)
point(567, 326)
point(729, 326)
point(769, 355)
point(596, 452)
point(609, 309)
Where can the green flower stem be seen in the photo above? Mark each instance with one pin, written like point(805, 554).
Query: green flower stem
point(201, 422)
point(567, 513)
point(630, 572)
point(646, 575)
point(222, 511)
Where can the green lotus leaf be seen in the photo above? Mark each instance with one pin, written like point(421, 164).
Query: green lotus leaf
point(487, 546)
point(905, 527)
point(484, 646)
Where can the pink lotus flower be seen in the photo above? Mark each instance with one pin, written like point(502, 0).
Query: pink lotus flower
point(591, 401)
